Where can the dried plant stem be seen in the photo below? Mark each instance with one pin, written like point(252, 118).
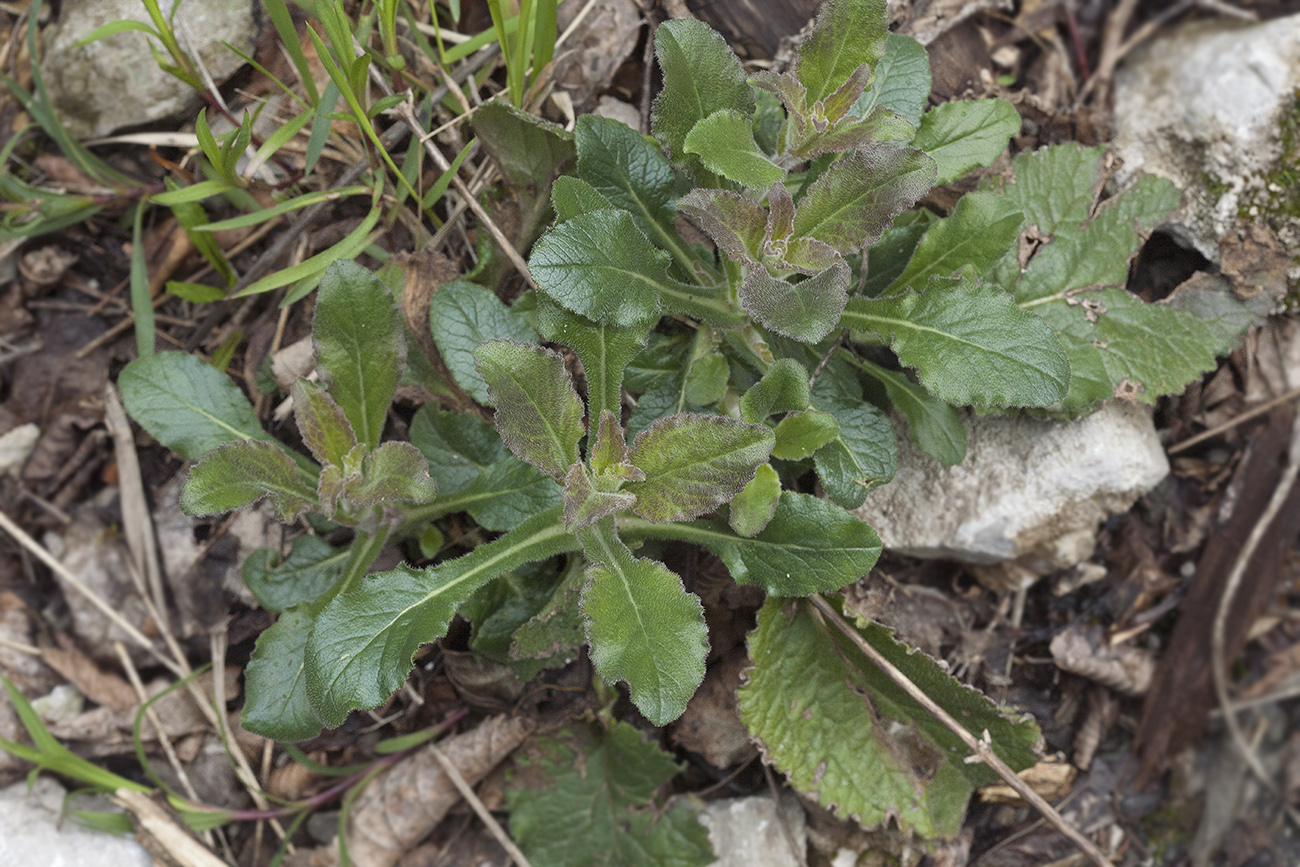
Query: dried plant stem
point(472, 799)
point(140, 536)
point(980, 748)
point(1236, 420)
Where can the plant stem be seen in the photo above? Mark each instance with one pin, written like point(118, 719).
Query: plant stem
point(361, 553)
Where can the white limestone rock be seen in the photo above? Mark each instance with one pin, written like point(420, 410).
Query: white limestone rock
point(746, 832)
point(32, 831)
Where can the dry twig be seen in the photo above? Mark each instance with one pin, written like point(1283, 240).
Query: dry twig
point(1236, 420)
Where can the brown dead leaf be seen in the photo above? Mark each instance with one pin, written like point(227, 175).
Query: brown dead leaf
point(1086, 650)
point(1051, 779)
point(97, 684)
point(605, 38)
point(711, 725)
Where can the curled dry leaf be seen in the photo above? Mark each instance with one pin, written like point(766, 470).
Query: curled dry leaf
point(1086, 651)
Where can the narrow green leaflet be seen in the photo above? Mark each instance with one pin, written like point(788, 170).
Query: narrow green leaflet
point(694, 463)
point(598, 807)
point(806, 311)
point(847, 34)
point(604, 351)
point(239, 474)
point(572, 196)
point(457, 446)
point(187, 404)
point(463, 316)
point(754, 506)
point(507, 493)
point(783, 388)
point(360, 347)
point(321, 422)
point(862, 455)
point(843, 731)
point(362, 643)
point(632, 174)
point(851, 204)
point(644, 628)
point(977, 234)
point(970, 344)
point(539, 415)
point(275, 680)
point(809, 546)
point(966, 134)
point(934, 425)
point(312, 567)
point(902, 80)
point(584, 504)
point(800, 434)
point(724, 142)
point(529, 150)
point(701, 75)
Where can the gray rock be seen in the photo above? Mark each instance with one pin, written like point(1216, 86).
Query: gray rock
point(1206, 107)
point(32, 832)
point(1030, 490)
point(114, 83)
point(746, 832)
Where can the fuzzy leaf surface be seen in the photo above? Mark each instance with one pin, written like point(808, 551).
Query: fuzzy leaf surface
point(600, 810)
point(464, 316)
point(321, 422)
point(644, 628)
point(970, 344)
point(738, 225)
point(701, 75)
point(312, 567)
point(933, 424)
point(528, 149)
point(902, 80)
point(394, 472)
point(239, 474)
point(805, 311)
point(507, 493)
point(572, 196)
point(851, 204)
point(862, 455)
point(363, 641)
point(783, 388)
point(800, 434)
point(187, 404)
point(456, 445)
point(754, 506)
point(847, 34)
point(724, 142)
point(360, 346)
point(978, 233)
point(604, 351)
point(845, 733)
point(539, 415)
point(694, 463)
point(276, 705)
point(966, 134)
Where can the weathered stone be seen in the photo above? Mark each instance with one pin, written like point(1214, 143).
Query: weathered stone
point(1029, 490)
point(114, 83)
point(1215, 108)
point(33, 830)
point(747, 832)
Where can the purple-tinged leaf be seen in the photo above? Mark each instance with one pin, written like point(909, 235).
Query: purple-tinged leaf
point(239, 474)
point(321, 422)
point(853, 201)
point(806, 311)
point(735, 223)
point(584, 505)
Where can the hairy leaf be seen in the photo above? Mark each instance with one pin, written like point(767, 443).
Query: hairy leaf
point(572, 196)
point(724, 142)
point(701, 75)
point(805, 311)
point(321, 422)
point(312, 567)
point(970, 344)
point(844, 732)
point(462, 317)
point(584, 504)
point(851, 204)
point(187, 404)
point(977, 234)
point(528, 149)
point(457, 446)
point(800, 434)
point(902, 80)
point(966, 134)
point(539, 415)
point(507, 493)
point(863, 454)
point(361, 646)
point(694, 463)
point(847, 34)
point(360, 346)
point(933, 424)
point(754, 506)
point(738, 225)
point(275, 680)
point(551, 638)
point(599, 809)
point(782, 389)
point(643, 626)
point(394, 472)
point(604, 351)
point(239, 474)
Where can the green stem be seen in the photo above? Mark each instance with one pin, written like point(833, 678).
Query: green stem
point(361, 553)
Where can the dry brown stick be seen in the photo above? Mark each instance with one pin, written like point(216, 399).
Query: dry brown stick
point(162, 835)
point(138, 522)
point(494, 827)
point(980, 748)
point(1236, 420)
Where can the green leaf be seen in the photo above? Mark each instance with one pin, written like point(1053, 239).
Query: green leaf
point(891, 254)
point(754, 506)
point(724, 141)
point(809, 546)
point(784, 388)
point(604, 351)
point(862, 455)
point(800, 434)
point(600, 266)
point(706, 381)
point(806, 311)
point(361, 646)
point(970, 344)
point(186, 404)
point(701, 75)
point(239, 474)
point(694, 463)
point(529, 150)
point(598, 807)
point(312, 567)
point(966, 134)
point(551, 638)
point(321, 422)
point(539, 415)
point(978, 233)
point(902, 80)
point(643, 626)
point(275, 682)
point(1055, 187)
point(934, 425)
point(841, 730)
point(462, 317)
point(500, 608)
point(847, 34)
point(572, 196)
point(584, 504)
point(360, 347)
point(457, 446)
point(632, 174)
point(738, 225)
point(509, 492)
point(394, 472)
point(851, 204)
